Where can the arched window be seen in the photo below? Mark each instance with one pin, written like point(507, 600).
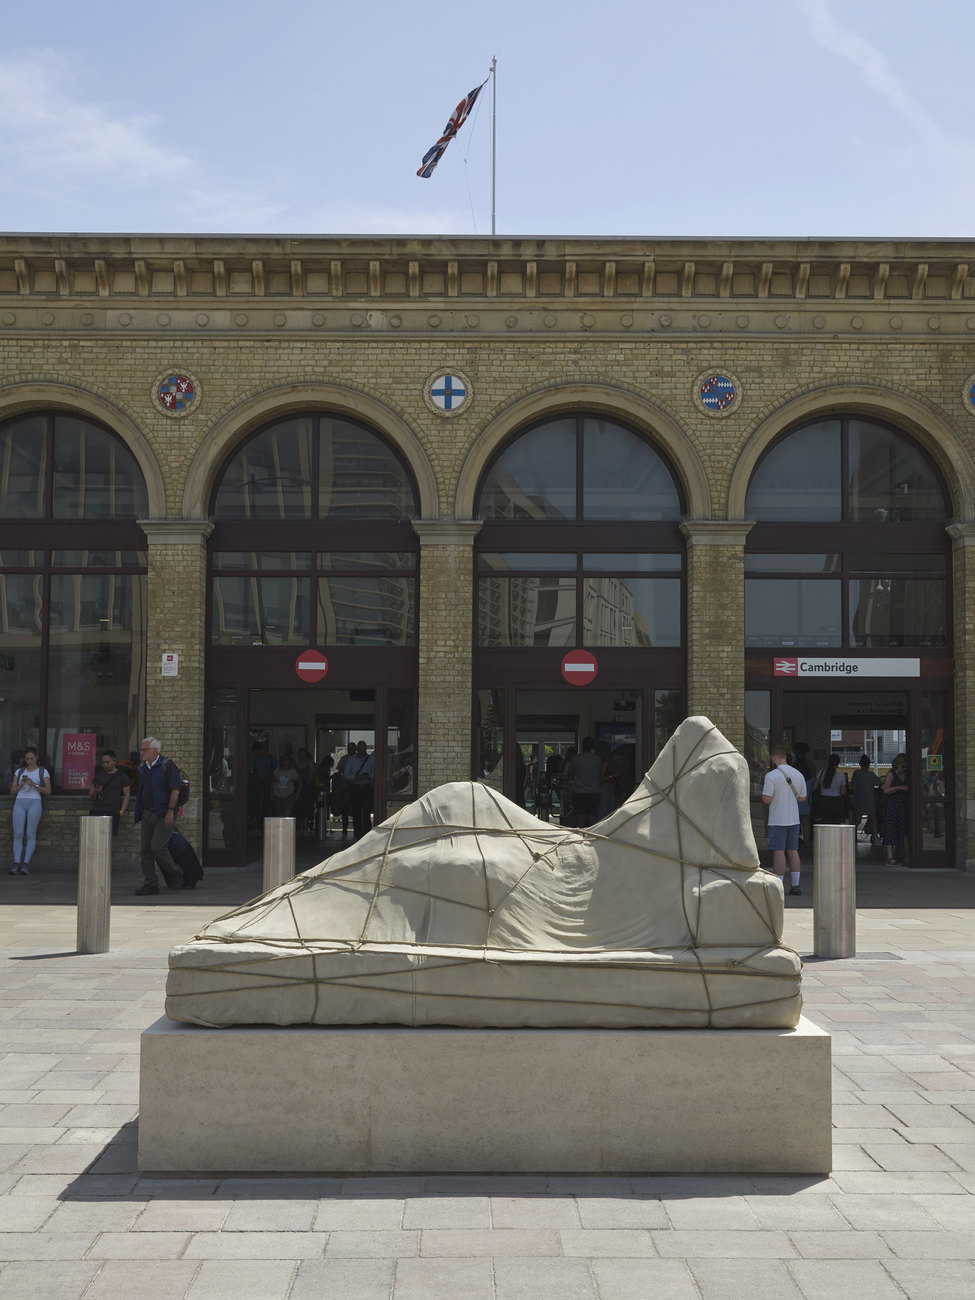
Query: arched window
point(580, 544)
point(72, 593)
point(315, 467)
point(312, 543)
point(849, 549)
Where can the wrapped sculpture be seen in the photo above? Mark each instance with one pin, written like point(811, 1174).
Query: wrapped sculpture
point(464, 909)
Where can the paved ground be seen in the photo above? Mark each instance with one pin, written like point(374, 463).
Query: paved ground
point(896, 1218)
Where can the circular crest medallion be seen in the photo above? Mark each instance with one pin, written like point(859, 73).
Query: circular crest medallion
point(447, 391)
point(176, 393)
point(716, 392)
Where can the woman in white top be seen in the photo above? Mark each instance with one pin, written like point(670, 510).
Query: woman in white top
point(29, 784)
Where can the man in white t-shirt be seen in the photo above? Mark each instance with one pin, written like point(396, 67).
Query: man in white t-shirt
point(783, 789)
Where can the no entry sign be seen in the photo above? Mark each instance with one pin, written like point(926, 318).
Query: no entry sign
point(311, 666)
point(579, 667)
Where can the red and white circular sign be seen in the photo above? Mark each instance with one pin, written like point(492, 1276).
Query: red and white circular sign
point(579, 667)
point(311, 666)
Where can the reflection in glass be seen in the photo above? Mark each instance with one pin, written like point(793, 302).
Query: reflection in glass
point(21, 559)
point(537, 562)
point(793, 612)
point(400, 746)
point(891, 480)
point(260, 611)
point(359, 476)
point(596, 562)
point(628, 612)
point(98, 559)
point(932, 764)
point(758, 725)
point(20, 665)
point(800, 478)
point(97, 668)
point(270, 476)
point(221, 763)
point(757, 562)
point(351, 561)
point(21, 606)
point(23, 463)
point(490, 736)
point(261, 561)
point(95, 475)
point(668, 713)
point(359, 610)
point(623, 477)
point(534, 477)
point(526, 611)
point(897, 612)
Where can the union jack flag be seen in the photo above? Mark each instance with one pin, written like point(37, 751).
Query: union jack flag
point(457, 119)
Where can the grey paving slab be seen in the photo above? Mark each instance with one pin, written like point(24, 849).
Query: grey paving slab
point(619, 1212)
point(543, 1279)
point(446, 1212)
point(256, 1245)
point(812, 1213)
point(948, 1244)
point(270, 1216)
point(46, 1280)
point(840, 1245)
point(730, 1279)
point(828, 1279)
point(139, 1245)
point(879, 1212)
point(534, 1212)
point(443, 1279)
point(243, 1279)
point(618, 1243)
point(373, 1245)
point(643, 1279)
point(44, 1245)
point(358, 1213)
point(182, 1216)
point(499, 1242)
point(343, 1279)
point(153, 1279)
point(948, 1279)
point(713, 1212)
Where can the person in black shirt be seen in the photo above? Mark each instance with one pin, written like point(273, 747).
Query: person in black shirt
point(109, 790)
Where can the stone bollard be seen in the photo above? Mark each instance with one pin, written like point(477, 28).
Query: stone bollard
point(279, 851)
point(834, 891)
point(94, 884)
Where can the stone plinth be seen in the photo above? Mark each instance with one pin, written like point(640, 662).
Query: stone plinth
point(360, 1099)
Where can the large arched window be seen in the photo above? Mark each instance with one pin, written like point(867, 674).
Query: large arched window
point(849, 549)
point(580, 544)
point(72, 592)
point(312, 543)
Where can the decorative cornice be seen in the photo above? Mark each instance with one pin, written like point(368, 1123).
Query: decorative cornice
point(176, 532)
point(716, 532)
point(447, 532)
point(962, 535)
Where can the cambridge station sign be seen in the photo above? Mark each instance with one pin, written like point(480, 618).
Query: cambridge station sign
point(842, 666)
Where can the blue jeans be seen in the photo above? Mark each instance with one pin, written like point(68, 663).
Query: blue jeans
point(26, 815)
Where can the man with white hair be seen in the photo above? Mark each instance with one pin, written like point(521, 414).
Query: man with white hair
point(155, 807)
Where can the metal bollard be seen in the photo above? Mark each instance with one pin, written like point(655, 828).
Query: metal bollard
point(834, 891)
point(279, 851)
point(94, 884)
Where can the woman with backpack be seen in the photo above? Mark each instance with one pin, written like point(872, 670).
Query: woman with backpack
point(30, 783)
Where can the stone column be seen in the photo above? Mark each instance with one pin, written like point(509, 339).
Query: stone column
point(444, 639)
point(716, 622)
point(963, 584)
point(176, 623)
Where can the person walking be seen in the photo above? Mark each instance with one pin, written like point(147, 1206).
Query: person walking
point(863, 784)
point(156, 798)
point(584, 771)
point(30, 783)
point(783, 789)
point(360, 777)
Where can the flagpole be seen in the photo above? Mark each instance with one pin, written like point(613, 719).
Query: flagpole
point(494, 138)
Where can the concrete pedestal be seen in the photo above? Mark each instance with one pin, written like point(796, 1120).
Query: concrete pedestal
point(263, 1099)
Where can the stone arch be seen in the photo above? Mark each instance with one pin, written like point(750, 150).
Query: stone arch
point(615, 403)
point(911, 416)
point(19, 399)
point(275, 403)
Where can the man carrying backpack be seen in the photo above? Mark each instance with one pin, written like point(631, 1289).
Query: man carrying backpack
point(155, 807)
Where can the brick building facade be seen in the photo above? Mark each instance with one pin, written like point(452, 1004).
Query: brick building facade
point(626, 331)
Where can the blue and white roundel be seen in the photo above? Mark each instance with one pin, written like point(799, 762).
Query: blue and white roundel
point(717, 392)
point(448, 392)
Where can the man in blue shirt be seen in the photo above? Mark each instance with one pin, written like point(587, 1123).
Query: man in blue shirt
point(155, 808)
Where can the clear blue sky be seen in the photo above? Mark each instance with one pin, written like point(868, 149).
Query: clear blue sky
point(632, 117)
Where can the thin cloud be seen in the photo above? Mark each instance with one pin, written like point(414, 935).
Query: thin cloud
point(875, 70)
